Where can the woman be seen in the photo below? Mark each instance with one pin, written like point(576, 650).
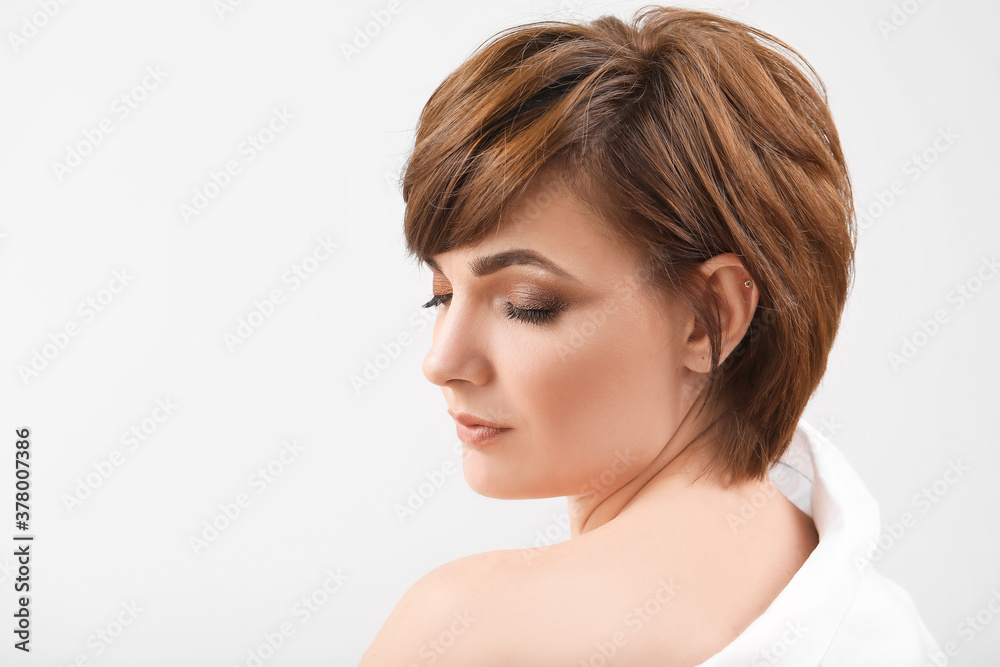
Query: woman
point(641, 238)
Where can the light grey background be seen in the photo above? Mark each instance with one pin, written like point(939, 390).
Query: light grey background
point(330, 174)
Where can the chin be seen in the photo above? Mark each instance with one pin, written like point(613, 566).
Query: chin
point(490, 480)
point(494, 486)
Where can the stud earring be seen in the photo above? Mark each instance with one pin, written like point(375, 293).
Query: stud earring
point(748, 283)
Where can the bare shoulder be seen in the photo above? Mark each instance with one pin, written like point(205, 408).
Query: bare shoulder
point(526, 607)
point(665, 589)
point(549, 607)
point(439, 621)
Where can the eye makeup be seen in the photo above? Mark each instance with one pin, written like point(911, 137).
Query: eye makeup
point(533, 306)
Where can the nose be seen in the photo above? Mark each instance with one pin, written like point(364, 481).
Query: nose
point(459, 350)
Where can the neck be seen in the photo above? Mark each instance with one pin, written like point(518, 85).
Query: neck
point(675, 468)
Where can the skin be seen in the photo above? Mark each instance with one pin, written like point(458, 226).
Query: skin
point(598, 405)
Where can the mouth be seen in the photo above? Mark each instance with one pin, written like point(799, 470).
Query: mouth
point(473, 430)
point(478, 435)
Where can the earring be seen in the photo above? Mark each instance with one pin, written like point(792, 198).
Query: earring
point(748, 283)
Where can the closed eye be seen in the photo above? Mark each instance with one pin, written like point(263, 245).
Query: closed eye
point(530, 315)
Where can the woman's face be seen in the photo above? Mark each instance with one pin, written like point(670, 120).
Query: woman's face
point(590, 386)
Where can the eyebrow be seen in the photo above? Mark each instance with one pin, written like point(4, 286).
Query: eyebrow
point(484, 266)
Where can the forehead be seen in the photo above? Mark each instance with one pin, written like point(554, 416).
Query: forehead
point(548, 219)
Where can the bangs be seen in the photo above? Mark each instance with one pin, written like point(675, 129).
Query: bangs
point(531, 101)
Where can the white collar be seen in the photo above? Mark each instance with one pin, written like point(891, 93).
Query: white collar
point(801, 624)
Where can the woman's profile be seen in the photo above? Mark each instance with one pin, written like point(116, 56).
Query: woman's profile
point(642, 241)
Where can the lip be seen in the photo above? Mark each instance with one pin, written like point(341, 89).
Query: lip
point(469, 419)
point(473, 430)
point(478, 435)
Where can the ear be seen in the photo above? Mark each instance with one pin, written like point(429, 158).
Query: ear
point(725, 277)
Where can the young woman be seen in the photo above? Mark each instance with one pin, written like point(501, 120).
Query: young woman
point(642, 237)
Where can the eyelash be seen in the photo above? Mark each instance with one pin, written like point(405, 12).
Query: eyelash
point(537, 316)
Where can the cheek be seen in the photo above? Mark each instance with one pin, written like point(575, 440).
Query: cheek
point(594, 391)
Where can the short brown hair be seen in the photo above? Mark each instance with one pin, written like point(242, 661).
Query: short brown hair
point(690, 135)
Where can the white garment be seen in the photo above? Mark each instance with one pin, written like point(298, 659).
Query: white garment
point(837, 610)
